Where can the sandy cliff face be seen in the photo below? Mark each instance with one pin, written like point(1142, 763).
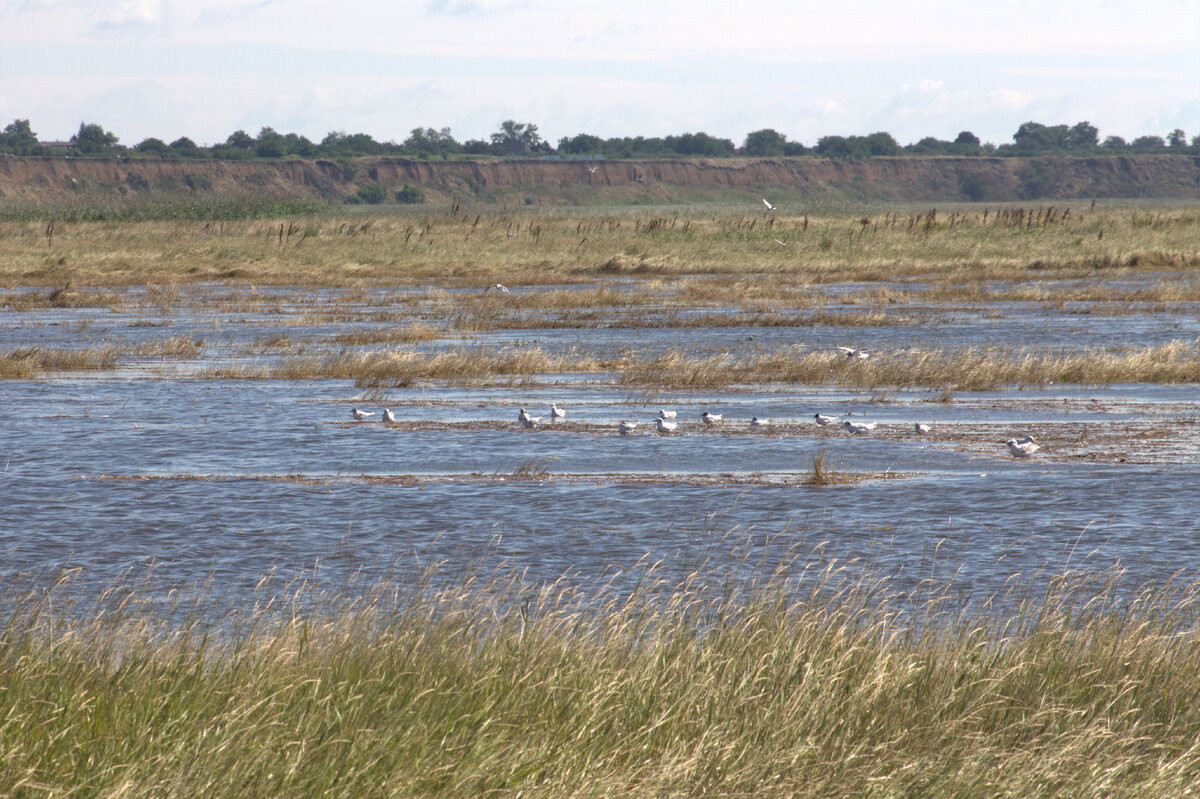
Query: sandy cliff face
point(52, 180)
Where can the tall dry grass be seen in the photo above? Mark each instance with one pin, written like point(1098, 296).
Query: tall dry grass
point(403, 366)
point(566, 246)
point(971, 369)
point(24, 362)
point(822, 685)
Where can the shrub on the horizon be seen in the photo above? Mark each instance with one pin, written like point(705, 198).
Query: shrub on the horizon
point(410, 195)
point(372, 194)
point(973, 187)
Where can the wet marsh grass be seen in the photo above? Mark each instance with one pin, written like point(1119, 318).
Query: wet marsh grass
point(686, 269)
point(971, 369)
point(815, 680)
point(61, 297)
point(822, 472)
point(411, 333)
point(401, 367)
point(27, 362)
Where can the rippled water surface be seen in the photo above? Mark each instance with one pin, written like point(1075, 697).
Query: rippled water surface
point(113, 471)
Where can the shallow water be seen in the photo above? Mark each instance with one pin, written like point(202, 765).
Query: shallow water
point(112, 472)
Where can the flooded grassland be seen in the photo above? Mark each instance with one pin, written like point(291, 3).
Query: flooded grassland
point(286, 508)
point(181, 393)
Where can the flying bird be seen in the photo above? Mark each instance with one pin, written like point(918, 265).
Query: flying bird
point(360, 415)
point(769, 206)
point(1022, 447)
point(664, 426)
point(781, 243)
point(858, 429)
point(498, 287)
point(853, 354)
point(824, 418)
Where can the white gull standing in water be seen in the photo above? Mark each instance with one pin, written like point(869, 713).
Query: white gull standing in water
point(664, 426)
point(361, 415)
point(1022, 447)
point(858, 429)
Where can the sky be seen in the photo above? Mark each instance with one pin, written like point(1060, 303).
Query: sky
point(206, 68)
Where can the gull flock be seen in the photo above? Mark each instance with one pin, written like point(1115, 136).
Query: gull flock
point(666, 421)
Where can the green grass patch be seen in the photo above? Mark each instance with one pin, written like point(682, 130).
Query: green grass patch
point(164, 209)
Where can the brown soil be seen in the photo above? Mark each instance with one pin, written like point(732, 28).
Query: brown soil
point(527, 180)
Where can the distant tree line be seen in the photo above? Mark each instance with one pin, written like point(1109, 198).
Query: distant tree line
point(521, 138)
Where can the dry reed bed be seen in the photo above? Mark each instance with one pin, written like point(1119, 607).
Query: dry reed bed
point(972, 369)
point(25, 362)
point(476, 249)
point(674, 319)
point(401, 367)
point(412, 333)
point(816, 681)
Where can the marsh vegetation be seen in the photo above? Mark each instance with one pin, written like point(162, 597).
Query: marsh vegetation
point(211, 367)
point(816, 679)
point(465, 248)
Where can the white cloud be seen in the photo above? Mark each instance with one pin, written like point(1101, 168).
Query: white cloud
point(474, 7)
point(129, 12)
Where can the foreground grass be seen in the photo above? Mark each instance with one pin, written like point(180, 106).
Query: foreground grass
point(485, 686)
